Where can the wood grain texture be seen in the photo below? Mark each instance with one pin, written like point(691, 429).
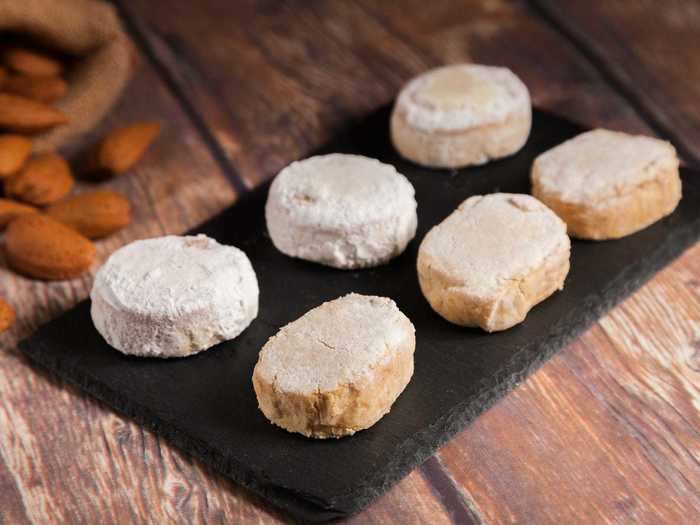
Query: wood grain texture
point(607, 431)
point(101, 468)
point(649, 51)
point(276, 87)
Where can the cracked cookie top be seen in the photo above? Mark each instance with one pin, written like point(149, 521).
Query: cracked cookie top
point(337, 343)
point(601, 164)
point(490, 239)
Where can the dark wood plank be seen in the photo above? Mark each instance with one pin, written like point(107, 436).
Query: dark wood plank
point(100, 468)
point(281, 83)
point(649, 51)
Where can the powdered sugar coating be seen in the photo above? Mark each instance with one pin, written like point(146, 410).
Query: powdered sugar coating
point(491, 239)
point(601, 164)
point(346, 211)
point(337, 343)
point(173, 296)
point(461, 96)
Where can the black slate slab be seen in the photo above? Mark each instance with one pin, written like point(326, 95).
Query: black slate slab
point(206, 405)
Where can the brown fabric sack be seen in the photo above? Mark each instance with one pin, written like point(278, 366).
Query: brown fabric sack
point(90, 32)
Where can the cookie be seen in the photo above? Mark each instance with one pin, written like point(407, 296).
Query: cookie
point(7, 315)
point(338, 368)
point(461, 115)
point(10, 210)
point(44, 179)
point(606, 184)
point(173, 296)
point(345, 211)
point(14, 152)
point(95, 214)
point(494, 258)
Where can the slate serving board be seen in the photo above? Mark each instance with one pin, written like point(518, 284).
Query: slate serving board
point(206, 405)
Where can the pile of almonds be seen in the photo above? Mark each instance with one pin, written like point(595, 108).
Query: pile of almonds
point(49, 233)
point(30, 82)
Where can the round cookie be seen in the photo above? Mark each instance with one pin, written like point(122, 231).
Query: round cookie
point(345, 211)
point(173, 296)
point(606, 184)
point(490, 261)
point(338, 368)
point(461, 115)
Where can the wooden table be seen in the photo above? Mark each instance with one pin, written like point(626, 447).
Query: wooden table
point(608, 431)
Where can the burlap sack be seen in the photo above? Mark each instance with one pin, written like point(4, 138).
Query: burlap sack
point(88, 30)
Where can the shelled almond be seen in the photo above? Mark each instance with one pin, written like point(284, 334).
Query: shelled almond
point(95, 214)
point(7, 315)
point(14, 150)
point(28, 116)
point(40, 247)
point(43, 180)
point(121, 149)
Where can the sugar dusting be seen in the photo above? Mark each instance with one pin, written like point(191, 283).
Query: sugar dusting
point(461, 96)
point(173, 290)
point(341, 210)
point(601, 164)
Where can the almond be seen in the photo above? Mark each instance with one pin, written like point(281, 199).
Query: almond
point(122, 148)
point(44, 179)
point(27, 115)
point(14, 150)
point(95, 214)
point(40, 247)
point(31, 62)
point(11, 209)
point(42, 89)
point(7, 315)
